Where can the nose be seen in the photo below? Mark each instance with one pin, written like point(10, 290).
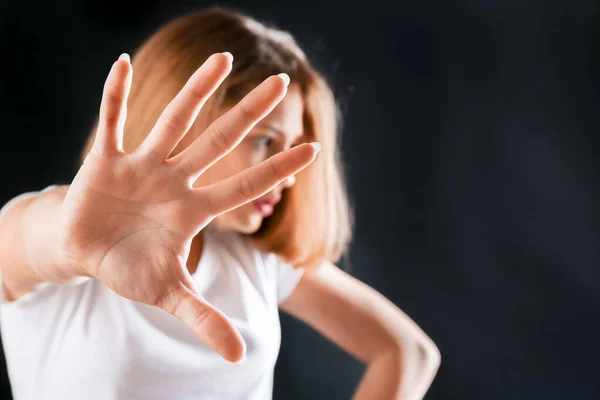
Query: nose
point(289, 182)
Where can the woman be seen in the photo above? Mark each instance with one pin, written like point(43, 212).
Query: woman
point(200, 209)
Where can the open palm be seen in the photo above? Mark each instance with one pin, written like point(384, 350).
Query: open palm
point(128, 219)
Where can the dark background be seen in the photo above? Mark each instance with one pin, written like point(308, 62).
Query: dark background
point(470, 139)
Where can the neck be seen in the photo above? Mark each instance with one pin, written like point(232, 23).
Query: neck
point(195, 252)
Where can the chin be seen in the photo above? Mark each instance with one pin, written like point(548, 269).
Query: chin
point(241, 221)
point(251, 225)
point(245, 223)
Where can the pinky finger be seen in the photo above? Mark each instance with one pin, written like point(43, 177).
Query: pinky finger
point(256, 181)
point(113, 109)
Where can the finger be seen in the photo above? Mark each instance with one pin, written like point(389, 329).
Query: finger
point(182, 111)
point(225, 133)
point(208, 323)
point(256, 181)
point(113, 109)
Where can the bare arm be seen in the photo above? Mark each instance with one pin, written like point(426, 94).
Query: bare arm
point(402, 360)
point(29, 253)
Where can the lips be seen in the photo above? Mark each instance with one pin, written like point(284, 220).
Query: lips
point(266, 206)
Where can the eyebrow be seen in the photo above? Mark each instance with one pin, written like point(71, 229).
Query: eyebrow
point(277, 130)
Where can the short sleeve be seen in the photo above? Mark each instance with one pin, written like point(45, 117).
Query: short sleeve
point(288, 277)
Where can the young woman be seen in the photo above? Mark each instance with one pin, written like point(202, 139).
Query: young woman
point(201, 207)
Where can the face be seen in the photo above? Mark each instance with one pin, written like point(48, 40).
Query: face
point(277, 132)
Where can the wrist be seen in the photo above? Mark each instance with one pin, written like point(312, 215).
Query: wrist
point(66, 267)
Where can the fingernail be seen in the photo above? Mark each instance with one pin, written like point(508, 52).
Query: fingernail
point(317, 146)
point(242, 361)
point(285, 78)
point(228, 55)
point(125, 57)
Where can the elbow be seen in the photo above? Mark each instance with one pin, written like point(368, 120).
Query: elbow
point(430, 355)
point(422, 354)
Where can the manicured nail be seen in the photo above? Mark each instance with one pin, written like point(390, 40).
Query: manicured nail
point(125, 57)
point(317, 146)
point(228, 55)
point(285, 78)
point(242, 361)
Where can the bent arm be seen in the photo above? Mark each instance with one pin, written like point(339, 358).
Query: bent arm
point(29, 253)
point(402, 360)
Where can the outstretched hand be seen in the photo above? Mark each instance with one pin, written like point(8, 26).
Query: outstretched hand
point(128, 219)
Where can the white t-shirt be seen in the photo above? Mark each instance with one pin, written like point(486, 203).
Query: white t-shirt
point(83, 341)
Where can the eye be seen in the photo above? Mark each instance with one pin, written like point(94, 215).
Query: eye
point(264, 141)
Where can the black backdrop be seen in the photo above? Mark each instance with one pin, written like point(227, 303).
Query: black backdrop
point(470, 143)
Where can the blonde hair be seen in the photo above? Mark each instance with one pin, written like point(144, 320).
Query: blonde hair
point(313, 222)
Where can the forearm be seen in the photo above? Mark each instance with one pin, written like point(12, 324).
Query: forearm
point(404, 373)
point(29, 251)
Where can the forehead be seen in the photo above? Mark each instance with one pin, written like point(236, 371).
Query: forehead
point(288, 115)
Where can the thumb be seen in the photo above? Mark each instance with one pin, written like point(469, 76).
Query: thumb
point(208, 323)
